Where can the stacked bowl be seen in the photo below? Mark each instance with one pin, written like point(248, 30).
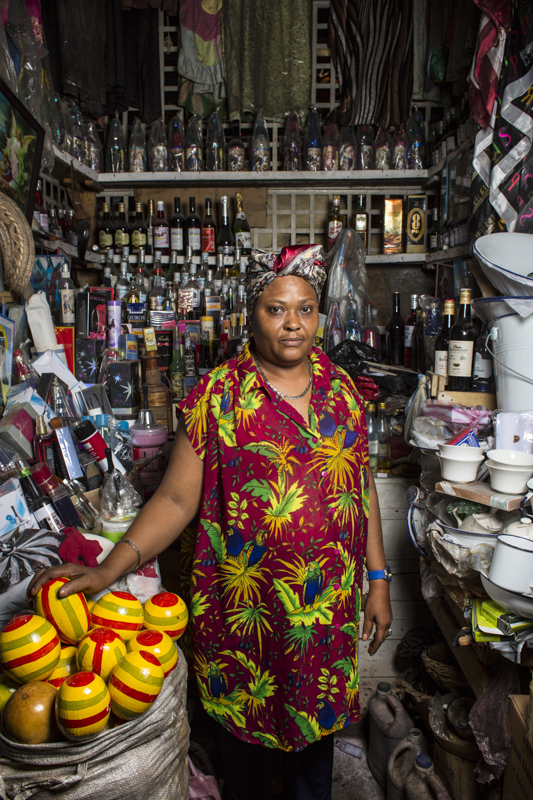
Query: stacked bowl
point(459, 463)
point(510, 470)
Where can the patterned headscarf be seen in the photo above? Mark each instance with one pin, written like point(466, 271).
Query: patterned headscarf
point(304, 261)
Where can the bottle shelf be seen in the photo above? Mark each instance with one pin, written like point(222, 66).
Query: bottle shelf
point(65, 162)
point(461, 251)
point(53, 245)
point(397, 258)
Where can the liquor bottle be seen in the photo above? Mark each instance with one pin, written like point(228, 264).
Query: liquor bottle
point(442, 341)
point(219, 275)
point(150, 219)
point(419, 342)
point(43, 444)
point(241, 229)
point(138, 229)
point(382, 149)
point(395, 333)
point(189, 358)
point(347, 149)
point(67, 298)
point(156, 297)
point(161, 231)
point(361, 221)
point(242, 273)
point(409, 331)
point(373, 439)
point(260, 146)
point(194, 295)
point(147, 274)
point(209, 289)
point(236, 268)
point(185, 272)
point(434, 232)
point(38, 202)
point(176, 370)
point(107, 230)
point(292, 157)
point(461, 347)
point(483, 379)
point(39, 505)
point(209, 234)
point(137, 292)
point(137, 148)
point(365, 147)
point(215, 144)
point(370, 331)
point(330, 147)
point(383, 439)
point(177, 232)
point(193, 141)
point(225, 239)
point(399, 150)
point(194, 231)
point(236, 148)
point(158, 264)
point(176, 145)
point(72, 234)
point(116, 146)
point(201, 274)
point(123, 285)
point(313, 143)
point(206, 362)
point(334, 333)
point(54, 229)
point(122, 228)
point(334, 221)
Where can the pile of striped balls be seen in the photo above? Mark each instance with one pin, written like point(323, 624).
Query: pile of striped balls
point(103, 657)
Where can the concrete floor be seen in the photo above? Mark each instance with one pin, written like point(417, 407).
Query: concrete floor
point(352, 779)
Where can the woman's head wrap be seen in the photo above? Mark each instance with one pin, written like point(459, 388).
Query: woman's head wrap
point(304, 261)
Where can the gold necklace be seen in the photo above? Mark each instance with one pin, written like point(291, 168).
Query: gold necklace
point(286, 396)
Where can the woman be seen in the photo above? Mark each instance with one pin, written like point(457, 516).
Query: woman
point(271, 451)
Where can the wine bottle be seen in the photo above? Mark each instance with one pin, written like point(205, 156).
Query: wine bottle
point(419, 342)
point(241, 229)
point(483, 379)
point(434, 232)
point(395, 333)
point(138, 229)
point(409, 331)
point(122, 228)
point(361, 221)
point(161, 230)
point(225, 239)
point(150, 229)
point(313, 143)
point(67, 298)
point(461, 347)
point(107, 230)
point(442, 341)
point(370, 331)
point(260, 146)
point(209, 234)
point(334, 221)
point(235, 148)
point(194, 231)
point(177, 232)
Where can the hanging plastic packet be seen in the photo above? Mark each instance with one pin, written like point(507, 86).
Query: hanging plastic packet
point(194, 145)
point(347, 275)
point(383, 149)
point(292, 161)
point(347, 149)
point(116, 146)
point(94, 152)
point(260, 146)
point(176, 145)
point(158, 147)
point(330, 147)
point(313, 143)
point(119, 498)
point(121, 441)
point(215, 144)
point(137, 148)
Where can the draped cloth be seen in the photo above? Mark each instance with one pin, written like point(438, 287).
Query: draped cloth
point(371, 44)
point(200, 62)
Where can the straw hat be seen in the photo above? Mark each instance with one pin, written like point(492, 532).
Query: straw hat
point(16, 244)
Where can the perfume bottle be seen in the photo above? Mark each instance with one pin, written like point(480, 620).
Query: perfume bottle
point(43, 444)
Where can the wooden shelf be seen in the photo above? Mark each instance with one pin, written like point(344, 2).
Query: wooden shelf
point(461, 251)
point(397, 258)
point(53, 245)
point(63, 164)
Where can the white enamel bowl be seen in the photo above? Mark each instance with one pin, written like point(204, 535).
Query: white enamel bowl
point(511, 458)
point(458, 471)
point(511, 601)
point(460, 452)
point(509, 481)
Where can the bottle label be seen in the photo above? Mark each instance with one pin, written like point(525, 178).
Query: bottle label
point(138, 239)
point(482, 367)
point(408, 335)
point(373, 446)
point(185, 277)
point(121, 292)
point(460, 357)
point(441, 362)
point(366, 156)
point(208, 240)
point(383, 157)
point(194, 158)
point(161, 237)
point(314, 159)
point(261, 159)
point(68, 306)
point(195, 298)
point(195, 238)
point(176, 383)
point(120, 238)
point(228, 260)
point(331, 157)
point(105, 239)
point(177, 159)
point(360, 222)
point(217, 286)
point(235, 159)
point(334, 228)
point(45, 223)
point(52, 520)
point(176, 239)
point(433, 241)
point(243, 239)
point(347, 158)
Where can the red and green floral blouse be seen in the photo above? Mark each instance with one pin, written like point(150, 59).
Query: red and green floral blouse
point(277, 558)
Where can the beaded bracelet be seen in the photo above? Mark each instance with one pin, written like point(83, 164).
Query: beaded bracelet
point(127, 541)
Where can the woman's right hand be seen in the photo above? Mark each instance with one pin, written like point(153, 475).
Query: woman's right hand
point(88, 580)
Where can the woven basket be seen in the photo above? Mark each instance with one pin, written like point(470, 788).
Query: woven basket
point(441, 665)
point(16, 244)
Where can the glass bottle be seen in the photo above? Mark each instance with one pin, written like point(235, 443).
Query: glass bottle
point(334, 221)
point(313, 143)
point(177, 232)
point(260, 146)
point(185, 272)
point(483, 378)
point(54, 226)
point(150, 229)
point(399, 150)
point(107, 230)
point(365, 147)
point(334, 333)
point(383, 149)
point(225, 239)
point(137, 148)
point(383, 439)
point(189, 358)
point(195, 295)
point(347, 150)
point(194, 231)
point(442, 342)
point(123, 285)
point(138, 229)
point(194, 147)
point(373, 439)
point(434, 232)
point(219, 275)
point(23, 368)
point(158, 147)
point(201, 275)
point(352, 329)
point(43, 444)
point(215, 144)
point(116, 146)
point(176, 145)
point(67, 298)
point(137, 292)
point(209, 234)
point(39, 505)
point(95, 155)
point(330, 147)
point(395, 333)
point(419, 342)
point(461, 348)
point(370, 331)
point(110, 272)
point(156, 298)
point(292, 158)
point(361, 221)
point(409, 331)
point(241, 229)
point(122, 228)
point(235, 148)
point(176, 370)
point(206, 362)
point(161, 230)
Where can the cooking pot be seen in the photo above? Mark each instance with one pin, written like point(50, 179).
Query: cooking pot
point(512, 564)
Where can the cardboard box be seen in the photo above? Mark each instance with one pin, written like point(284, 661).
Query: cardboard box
point(518, 776)
point(17, 429)
point(88, 354)
point(393, 225)
point(91, 315)
point(14, 511)
point(415, 223)
point(456, 773)
point(124, 388)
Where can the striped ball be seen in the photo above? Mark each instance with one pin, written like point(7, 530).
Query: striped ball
point(99, 651)
point(135, 683)
point(69, 615)
point(82, 705)
point(158, 643)
point(166, 612)
point(66, 666)
point(29, 648)
point(90, 604)
point(120, 611)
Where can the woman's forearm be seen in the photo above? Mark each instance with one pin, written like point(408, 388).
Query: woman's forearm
point(375, 553)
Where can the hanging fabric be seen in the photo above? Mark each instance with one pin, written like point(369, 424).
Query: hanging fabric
point(200, 63)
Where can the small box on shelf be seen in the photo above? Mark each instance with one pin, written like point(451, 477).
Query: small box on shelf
point(470, 399)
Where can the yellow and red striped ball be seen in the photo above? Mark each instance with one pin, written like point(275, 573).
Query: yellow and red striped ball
point(90, 604)
point(100, 650)
point(82, 705)
point(158, 643)
point(66, 666)
point(135, 684)
point(166, 612)
point(29, 648)
point(120, 611)
point(69, 615)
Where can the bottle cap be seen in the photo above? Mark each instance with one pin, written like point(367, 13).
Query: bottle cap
point(160, 205)
point(449, 306)
point(42, 475)
point(465, 296)
point(40, 426)
point(121, 206)
point(371, 407)
point(382, 405)
point(106, 208)
point(424, 762)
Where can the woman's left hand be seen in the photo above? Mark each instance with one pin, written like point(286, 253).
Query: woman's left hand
point(378, 612)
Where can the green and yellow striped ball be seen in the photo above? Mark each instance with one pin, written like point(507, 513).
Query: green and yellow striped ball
point(100, 650)
point(166, 612)
point(120, 611)
point(82, 706)
point(66, 666)
point(158, 643)
point(29, 648)
point(69, 615)
point(135, 684)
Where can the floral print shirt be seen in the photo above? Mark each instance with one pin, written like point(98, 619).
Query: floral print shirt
point(277, 559)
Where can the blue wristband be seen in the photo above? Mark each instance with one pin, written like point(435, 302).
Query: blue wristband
point(380, 574)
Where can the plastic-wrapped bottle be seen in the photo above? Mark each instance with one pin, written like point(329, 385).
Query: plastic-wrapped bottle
point(78, 133)
point(373, 439)
point(292, 153)
point(383, 149)
point(330, 147)
point(313, 143)
point(116, 146)
point(365, 147)
point(352, 329)
point(370, 331)
point(67, 126)
point(215, 144)
point(176, 144)
point(95, 155)
point(416, 157)
point(260, 146)
point(399, 150)
point(347, 149)
point(194, 145)
point(334, 333)
point(158, 147)
point(137, 148)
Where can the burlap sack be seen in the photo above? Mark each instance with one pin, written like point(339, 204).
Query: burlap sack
point(141, 760)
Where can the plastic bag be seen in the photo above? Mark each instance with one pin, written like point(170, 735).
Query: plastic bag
point(94, 151)
point(514, 430)
point(176, 145)
point(119, 498)
point(347, 274)
point(457, 416)
point(24, 552)
point(412, 409)
point(116, 146)
point(158, 147)
point(194, 144)
point(7, 68)
point(137, 148)
point(351, 356)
